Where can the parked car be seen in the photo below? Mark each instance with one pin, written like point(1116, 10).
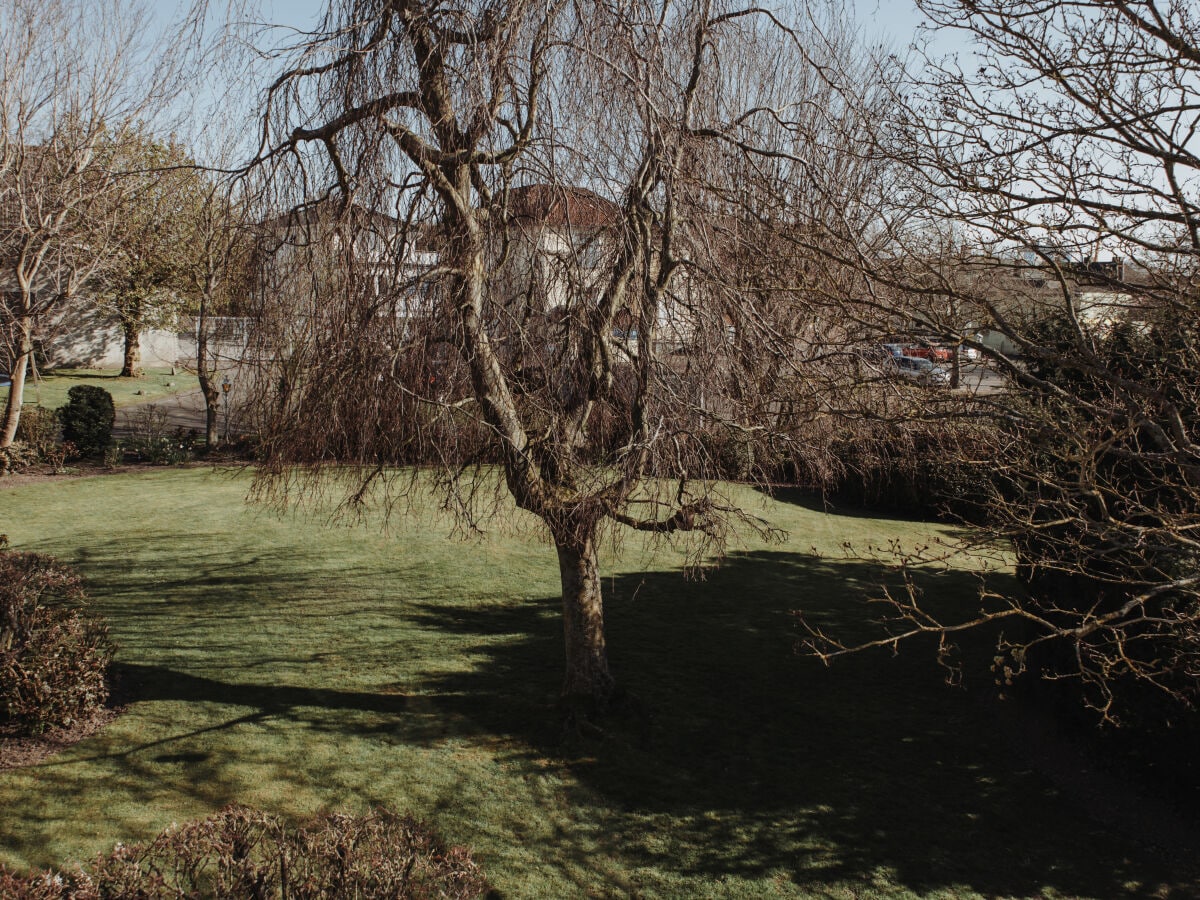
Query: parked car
point(876, 354)
point(922, 370)
point(929, 352)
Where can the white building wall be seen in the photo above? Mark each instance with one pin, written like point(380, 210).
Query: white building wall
point(88, 337)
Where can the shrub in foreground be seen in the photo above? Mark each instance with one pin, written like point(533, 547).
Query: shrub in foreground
point(54, 654)
point(242, 852)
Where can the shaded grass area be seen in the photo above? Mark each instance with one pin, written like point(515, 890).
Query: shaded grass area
point(50, 389)
point(302, 668)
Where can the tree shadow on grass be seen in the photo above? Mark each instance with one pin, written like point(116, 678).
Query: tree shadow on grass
point(149, 683)
point(255, 638)
point(754, 763)
point(759, 762)
point(77, 375)
point(317, 708)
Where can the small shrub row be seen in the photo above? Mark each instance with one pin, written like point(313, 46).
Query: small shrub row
point(54, 654)
point(154, 441)
point(81, 428)
point(40, 429)
point(242, 852)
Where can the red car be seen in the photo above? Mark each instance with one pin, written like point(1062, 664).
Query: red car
point(933, 354)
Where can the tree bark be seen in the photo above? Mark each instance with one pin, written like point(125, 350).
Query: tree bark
point(133, 349)
point(587, 676)
point(212, 411)
point(208, 384)
point(12, 408)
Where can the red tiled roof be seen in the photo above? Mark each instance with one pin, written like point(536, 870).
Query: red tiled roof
point(561, 207)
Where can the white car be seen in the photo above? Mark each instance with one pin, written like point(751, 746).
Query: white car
point(921, 370)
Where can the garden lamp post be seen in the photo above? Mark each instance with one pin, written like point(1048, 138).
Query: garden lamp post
point(225, 386)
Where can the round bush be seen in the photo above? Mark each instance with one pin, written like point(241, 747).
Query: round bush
point(88, 418)
point(54, 654)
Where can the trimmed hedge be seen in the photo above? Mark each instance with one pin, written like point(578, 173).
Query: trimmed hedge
point(911, 469)
point(243, 852)
point(54, 654)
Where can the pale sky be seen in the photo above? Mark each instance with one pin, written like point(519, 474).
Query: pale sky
point(890, 22)
point(896, 19)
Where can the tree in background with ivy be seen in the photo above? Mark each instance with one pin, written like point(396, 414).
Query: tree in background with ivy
point(143, 281)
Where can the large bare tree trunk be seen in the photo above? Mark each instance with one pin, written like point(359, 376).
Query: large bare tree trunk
point(133, 349)
point(587, 676)
point(12, 409)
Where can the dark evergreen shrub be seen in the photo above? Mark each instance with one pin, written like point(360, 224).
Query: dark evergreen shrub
point(1085, 551)
point(87, 419)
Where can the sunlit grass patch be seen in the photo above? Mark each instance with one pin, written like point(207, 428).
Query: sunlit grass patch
point(49, 389)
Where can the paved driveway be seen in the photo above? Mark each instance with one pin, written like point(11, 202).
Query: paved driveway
point(183, 410)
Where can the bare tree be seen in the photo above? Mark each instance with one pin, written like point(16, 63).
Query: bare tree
point(515, 251)
point(1046, 216)
point(70, 80)
point(216, 277)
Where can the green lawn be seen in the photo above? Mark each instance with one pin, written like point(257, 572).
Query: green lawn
point(50, 389)
point(300, 667)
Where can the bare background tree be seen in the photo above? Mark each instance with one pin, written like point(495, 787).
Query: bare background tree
point(220, 276)
point(74, 78)
point(515, 238)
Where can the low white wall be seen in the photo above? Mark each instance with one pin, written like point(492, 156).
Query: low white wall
point(90, 338)
point(101, 346)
